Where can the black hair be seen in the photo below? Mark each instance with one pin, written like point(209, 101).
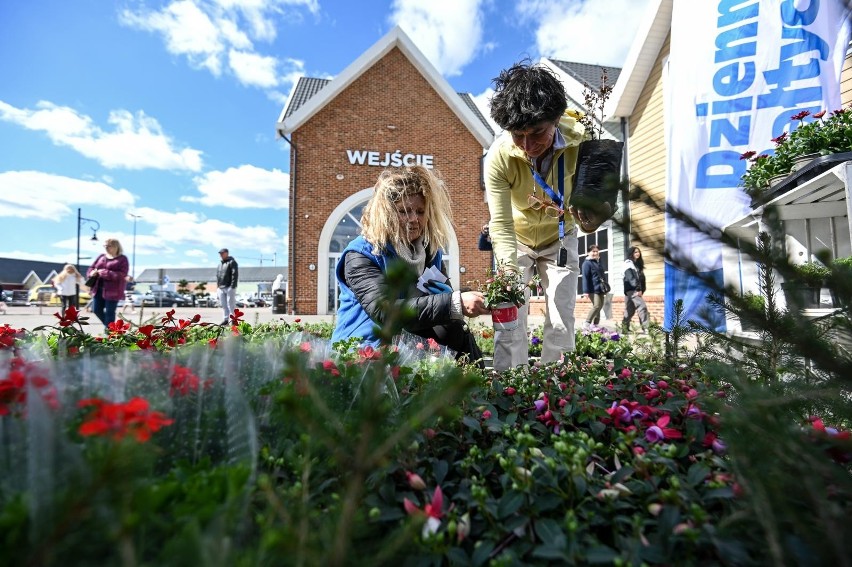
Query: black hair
point(640, 263)
point(592, 247)
point(526, 95)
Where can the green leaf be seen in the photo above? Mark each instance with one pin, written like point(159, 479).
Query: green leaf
point(550, 552)
point(481, 552)
point(472, 423)
point(550, 533)
point(597, 428)
point(622, 474)
point(697, 473)
point(601, 554)
point(511, 418)
point(439, 469)
point(510, 503)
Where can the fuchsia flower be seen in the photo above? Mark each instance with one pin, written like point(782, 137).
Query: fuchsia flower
point(625, 373)
point(486, 414)
point(510, 391)
point(433, 511)
point(712, 441)
point(659, 431)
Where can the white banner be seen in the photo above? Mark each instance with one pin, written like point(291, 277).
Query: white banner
point(737, 73)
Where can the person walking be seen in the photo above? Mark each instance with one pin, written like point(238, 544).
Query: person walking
point(110, 270)
point(529, 172)
point(408, 219)
point(634, 288)
point(227, 277)
point(67, 283)
point(594, 284)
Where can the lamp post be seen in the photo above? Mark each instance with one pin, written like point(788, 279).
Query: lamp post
point(135, 218)
point(97, 226)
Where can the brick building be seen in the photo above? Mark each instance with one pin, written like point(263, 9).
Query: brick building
point(389, 107)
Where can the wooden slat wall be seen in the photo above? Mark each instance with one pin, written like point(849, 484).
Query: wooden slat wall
point(846, 81)
point(647, 159)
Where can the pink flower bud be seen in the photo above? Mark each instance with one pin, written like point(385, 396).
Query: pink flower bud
point(415, 481)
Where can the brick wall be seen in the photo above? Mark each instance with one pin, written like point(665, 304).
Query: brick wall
point(656, 309)
point(391, 93)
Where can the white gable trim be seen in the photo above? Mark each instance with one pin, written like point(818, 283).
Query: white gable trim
point(643, 53)
point(394, 38)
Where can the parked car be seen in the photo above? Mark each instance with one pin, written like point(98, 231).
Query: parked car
point(165, 298)
point(135, 297)
point(45, 294)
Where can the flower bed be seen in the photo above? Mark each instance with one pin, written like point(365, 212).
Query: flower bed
point(178, 443)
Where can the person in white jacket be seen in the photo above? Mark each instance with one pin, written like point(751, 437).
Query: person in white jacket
point(66, 284)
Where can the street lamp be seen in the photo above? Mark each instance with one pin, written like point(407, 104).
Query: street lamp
point(135, 217)
point(96, 227)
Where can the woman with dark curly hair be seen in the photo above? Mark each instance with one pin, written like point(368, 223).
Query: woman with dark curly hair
point(529, 172)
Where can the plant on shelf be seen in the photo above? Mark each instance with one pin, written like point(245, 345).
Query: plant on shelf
point(819, 135)
point(504, 285)
point(812, 273)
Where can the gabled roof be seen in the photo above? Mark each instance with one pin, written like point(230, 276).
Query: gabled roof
point(576, 78)
point(16, 272)
point(306, 87)
point(650, 37)
point(589, 75)
point(395, 38)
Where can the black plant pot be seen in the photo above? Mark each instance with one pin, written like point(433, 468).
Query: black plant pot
point(801, 296)
point(596, 180)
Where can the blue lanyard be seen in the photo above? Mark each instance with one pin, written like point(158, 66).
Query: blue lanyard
point(556, 198)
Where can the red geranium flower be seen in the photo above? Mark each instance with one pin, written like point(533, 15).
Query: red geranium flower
point(69, 318)
point(183, 381)
point(118, 420)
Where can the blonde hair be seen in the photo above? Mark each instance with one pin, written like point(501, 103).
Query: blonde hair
point(60, 277)
point(380, 221)
point(119, 250)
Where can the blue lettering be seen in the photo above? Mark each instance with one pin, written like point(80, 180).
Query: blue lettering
point(729, 14)
point(808, 41)
point(793, 17)
point(728, 82)
point(729, 162)
point(736, 136)
point(725, 51)
point(742, 104)
point(789, 98)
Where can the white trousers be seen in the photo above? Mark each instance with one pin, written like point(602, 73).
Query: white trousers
point(511, 348)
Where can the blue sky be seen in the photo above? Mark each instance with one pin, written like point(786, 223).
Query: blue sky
point(166, 109)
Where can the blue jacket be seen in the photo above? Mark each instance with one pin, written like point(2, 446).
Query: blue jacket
point(352, 319)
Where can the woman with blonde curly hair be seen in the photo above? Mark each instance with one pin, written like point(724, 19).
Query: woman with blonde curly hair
point(67, 284)
point(407, 220)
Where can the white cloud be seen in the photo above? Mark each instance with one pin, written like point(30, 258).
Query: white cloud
point(220, 35)
point(136, 141)
point(252, 69)
point(43, 196)
point(243, 187)
point(448, 32)
point(586, 32)
point(187, 30)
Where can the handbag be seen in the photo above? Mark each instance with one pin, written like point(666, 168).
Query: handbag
point(605, 287)
point(92, 280)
